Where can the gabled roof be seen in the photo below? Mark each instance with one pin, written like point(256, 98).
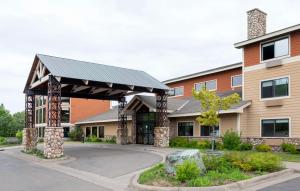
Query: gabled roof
point(89, 80)
point(267, 36)
point(177, 107)
point(203, 73)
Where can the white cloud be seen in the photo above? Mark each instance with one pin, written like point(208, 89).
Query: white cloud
point(164, 38)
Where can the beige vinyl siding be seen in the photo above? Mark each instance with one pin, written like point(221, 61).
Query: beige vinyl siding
point(110, 128)
point(250, 119)
point(228, 122)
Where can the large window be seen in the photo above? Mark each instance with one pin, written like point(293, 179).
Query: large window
point(236, 81)
point(275, 128)
point(209, 85)
point(208, 130)
point(275, 88)
point(177, 91)
point(185, 128)
point(275, 49)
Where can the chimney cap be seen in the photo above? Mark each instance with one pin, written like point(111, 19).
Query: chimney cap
point(257, 9)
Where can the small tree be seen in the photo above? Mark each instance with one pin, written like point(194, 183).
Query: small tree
point(211, 105)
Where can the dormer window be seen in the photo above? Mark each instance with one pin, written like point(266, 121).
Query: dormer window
point(275, 49)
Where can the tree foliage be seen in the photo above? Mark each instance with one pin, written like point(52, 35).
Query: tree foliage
point(212, 104)
point(10, 124)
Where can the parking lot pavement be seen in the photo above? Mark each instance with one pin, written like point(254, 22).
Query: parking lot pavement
point(110, 160)
point(290, 185)
point(20, 175)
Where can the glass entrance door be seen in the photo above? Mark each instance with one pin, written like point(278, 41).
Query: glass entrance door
point(145, 123)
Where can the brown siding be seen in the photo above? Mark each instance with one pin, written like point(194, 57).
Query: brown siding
point(295, 43)
point(250, 119)
point(223, 81)
point(83, 108)
point(228, 123)
point(251, 54)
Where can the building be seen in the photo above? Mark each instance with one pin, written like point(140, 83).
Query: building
point(266, 79)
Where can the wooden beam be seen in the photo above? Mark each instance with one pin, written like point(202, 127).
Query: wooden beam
point(98, 90)
point(79, 88)
point(86, 82)
point(41, 81)
point(116, 92)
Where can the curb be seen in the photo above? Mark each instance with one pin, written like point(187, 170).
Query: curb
point(244, 184)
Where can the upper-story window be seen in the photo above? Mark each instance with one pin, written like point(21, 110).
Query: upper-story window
point(209, 85)
point(275, 88)
point(275, 49)
point(236, 81)
point(176, 91)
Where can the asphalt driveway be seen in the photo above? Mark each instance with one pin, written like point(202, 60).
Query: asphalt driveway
point(21, 175)
point(110, 160)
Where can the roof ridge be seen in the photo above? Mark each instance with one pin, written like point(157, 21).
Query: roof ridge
point(88, 62)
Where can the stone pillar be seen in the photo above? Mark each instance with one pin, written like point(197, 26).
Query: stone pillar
point(53, 142)
point(29, 141)
point(161, 136)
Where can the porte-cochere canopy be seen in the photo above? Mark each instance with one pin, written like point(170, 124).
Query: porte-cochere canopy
point(56, 77)
point(89, 80)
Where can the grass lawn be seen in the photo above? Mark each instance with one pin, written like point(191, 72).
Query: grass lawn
point(289, 157)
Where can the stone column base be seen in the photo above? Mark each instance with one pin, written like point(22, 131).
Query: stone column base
point(161, 136)
point(29, 141)
point(53, 142)
point(122, 136)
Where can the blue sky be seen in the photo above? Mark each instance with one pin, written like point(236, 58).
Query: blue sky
point(166, 38)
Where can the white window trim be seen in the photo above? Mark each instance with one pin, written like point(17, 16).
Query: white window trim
point(232, 81)
point(206, 82)
point(266, 118)
point(186, 122)
point(272, 40)
point(174, 91)
point(275, 98)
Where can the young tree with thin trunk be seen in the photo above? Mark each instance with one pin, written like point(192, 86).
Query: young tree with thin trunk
point(211, 105)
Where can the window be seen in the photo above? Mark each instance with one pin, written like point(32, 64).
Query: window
point(275, 49)
point(87, 131)
point(66, 131)
point(65, 116)
point(236, 81)
point(177, 91)
point(185, 128)
point(208, 130)
point(275, 128)
point(275, 88)
point(209, 85)
point(101, 131)
point(94, 131)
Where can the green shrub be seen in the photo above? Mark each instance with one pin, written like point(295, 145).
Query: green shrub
point(217, 163)
point(245, 147)
point(187, 170)
point(112, 139)
point(152, 174)
point(3, 141)
point(76, 134)
point(264, 162)
point(254, 161)
point(263, 148)
point(19, 135)
point(93, 139)
point(204, 144)
point(231, 140)
point(179, 142)
point(290, 148)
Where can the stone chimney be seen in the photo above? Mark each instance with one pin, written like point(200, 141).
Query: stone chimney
point(256, 23)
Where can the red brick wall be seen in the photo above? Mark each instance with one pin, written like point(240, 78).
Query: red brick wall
point(83, 108)
point(252, 54)
point(295, 43)
point(223, 81)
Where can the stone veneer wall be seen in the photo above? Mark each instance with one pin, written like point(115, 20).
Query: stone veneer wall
point(256, 23)
point(29, 138)
point(161, 136)
point(122, 136)
point(53, 142)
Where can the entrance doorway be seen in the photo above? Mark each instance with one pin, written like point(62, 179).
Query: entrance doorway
point(145, 123)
